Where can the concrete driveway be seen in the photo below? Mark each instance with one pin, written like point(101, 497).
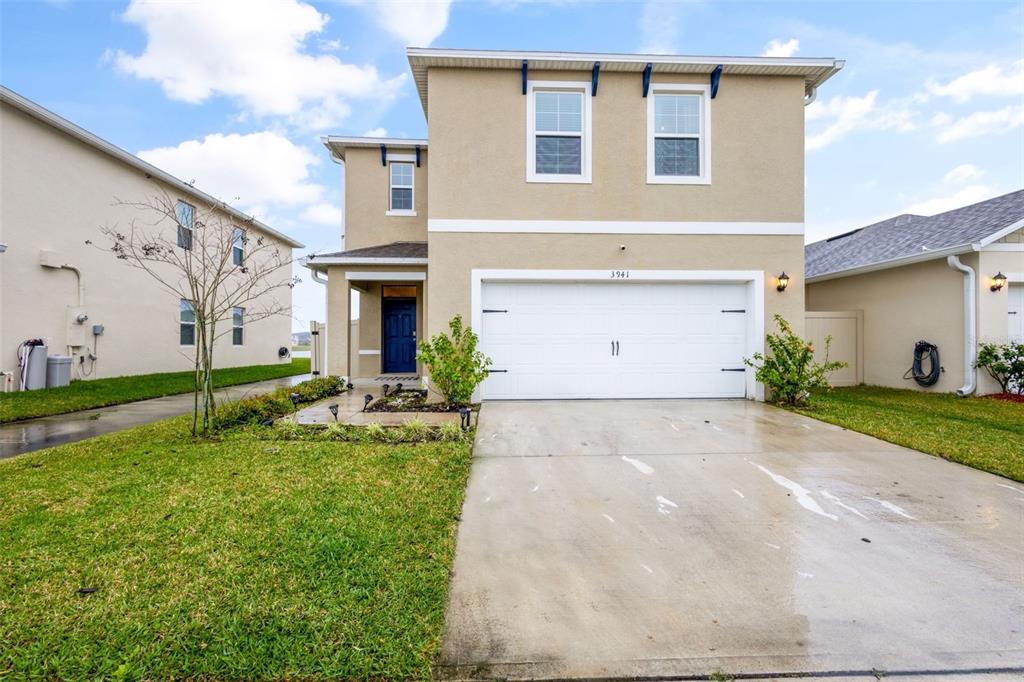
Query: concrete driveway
point(676, 538)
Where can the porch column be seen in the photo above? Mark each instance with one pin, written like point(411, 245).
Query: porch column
point(339, 325)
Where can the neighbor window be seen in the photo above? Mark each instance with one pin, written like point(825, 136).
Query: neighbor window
point(187, 324)
point(677, 135)
point(559, 132)
point(185, 214)
point(237, 319)
point(401, 187)
point(238, 246)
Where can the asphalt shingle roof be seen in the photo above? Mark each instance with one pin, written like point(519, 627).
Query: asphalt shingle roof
point(392, 250)
point(910, 235)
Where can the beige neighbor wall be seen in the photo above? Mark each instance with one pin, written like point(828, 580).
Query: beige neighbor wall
point(902, 306)
point(56, 193)
point(367, 197)
point(478, 138)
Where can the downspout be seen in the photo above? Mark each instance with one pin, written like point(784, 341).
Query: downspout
point(810, 95)
point(317, 277)
point(970, 326)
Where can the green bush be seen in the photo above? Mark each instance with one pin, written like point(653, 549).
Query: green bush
point(451, 432)
point(456, 367)
point(277, 403)
point(790, 372)
point(1004, 363)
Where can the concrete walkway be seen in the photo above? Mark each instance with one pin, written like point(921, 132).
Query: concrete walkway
point(660, 539)
point(46, 432)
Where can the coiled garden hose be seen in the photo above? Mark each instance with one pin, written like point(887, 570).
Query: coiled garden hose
point(922, 350)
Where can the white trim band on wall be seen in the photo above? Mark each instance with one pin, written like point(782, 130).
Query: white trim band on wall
point(612, 227)
point(387, 276)
point(368, 351)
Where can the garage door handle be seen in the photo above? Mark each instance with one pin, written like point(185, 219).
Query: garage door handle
point(738, 369)
point(740, 310)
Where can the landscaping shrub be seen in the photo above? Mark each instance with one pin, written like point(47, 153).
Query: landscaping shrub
point(790, 372)
point(456, 367)
point(451, 432)
point(414, 430)
point(1004, 363)
point(276, 403)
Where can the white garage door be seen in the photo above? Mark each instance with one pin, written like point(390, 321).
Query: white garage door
point(614, 340)
point(1016, 312)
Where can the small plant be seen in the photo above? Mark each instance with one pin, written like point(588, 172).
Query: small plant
point(790, 372)
point(1004, 363)
point(415, 430)
point(450, 432)
point(375, 433)
point(456, 367)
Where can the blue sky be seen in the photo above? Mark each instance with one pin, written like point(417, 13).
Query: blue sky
point(927, 115)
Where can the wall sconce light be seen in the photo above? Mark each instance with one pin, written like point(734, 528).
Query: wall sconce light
point(783, 281)
point(998, 282)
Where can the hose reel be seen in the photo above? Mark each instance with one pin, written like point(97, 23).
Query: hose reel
point(922, 350)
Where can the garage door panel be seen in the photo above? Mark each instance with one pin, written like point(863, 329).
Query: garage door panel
point(555, 341)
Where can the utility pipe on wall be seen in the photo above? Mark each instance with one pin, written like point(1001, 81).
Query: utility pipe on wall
point(970, 325)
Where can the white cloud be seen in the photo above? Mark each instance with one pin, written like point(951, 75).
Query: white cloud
point(322, 213)
point(659, 27)
point(971, 194)
point(250, 50)
point(417, 23)
point(778, 48)
point(376, 132)
point(991, 80)
point(963, 173)
point(250, 172)
point(843, 116)
point(979, 124)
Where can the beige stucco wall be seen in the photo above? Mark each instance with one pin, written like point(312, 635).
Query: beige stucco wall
point(55, 193)
point(478, 137)
point(367, 197)
point(453, 256)
point(901, 307)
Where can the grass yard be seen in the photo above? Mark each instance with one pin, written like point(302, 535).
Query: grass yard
point(238, 559)
point(982, 433)
point(88, 395)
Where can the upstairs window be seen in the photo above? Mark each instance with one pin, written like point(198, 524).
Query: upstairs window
point(677, 137)
point(402, 180)
point(237, 330)
point(186, 323)
point(238, 246)
point(558, 145)
point(185, 214)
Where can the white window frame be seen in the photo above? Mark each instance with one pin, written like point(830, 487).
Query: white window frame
point(704, 138)
point(411, 160)
point(237, 326)
point(191, 229)
point(586, 134)
point(238, 232)
point(182, 324)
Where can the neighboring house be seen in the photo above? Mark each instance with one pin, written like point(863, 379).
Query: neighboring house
point(60, 186)
point(937, 279)
point(610, 225)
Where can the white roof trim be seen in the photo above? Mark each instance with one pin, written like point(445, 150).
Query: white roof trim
point(815, 70)
point(337, 144)
point(314, 262)
point(996, 236)
point(895, 262)
point(46, 116)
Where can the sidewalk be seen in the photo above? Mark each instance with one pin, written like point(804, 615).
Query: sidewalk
point(45, 432)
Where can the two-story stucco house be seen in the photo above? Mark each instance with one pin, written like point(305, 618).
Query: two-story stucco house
point(612, 226)
point(60, 185)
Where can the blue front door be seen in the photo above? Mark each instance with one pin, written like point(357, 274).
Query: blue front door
point(398, 350)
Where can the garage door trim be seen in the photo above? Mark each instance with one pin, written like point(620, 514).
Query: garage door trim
point(754, 279)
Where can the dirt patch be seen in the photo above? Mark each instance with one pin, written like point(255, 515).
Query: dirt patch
point(1008, 397)
point(410, 400)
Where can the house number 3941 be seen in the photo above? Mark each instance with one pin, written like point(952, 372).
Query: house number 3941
point(620, 274)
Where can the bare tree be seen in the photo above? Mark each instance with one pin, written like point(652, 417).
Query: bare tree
point(214, 263)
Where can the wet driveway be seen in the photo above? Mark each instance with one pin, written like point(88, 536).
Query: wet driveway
point(676, 538)
point(35, 434)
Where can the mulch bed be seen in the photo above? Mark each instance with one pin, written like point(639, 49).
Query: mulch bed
point(1008, 397)
point(410, 400)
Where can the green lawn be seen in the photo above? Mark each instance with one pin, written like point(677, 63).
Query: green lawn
point(87, 395)
point(233, 559)
point(982, 433)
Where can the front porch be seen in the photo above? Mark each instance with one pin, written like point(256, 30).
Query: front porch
point(379, 345)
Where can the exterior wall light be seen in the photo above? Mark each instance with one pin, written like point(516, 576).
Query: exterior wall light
point(998, 282)
point(783, 281)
